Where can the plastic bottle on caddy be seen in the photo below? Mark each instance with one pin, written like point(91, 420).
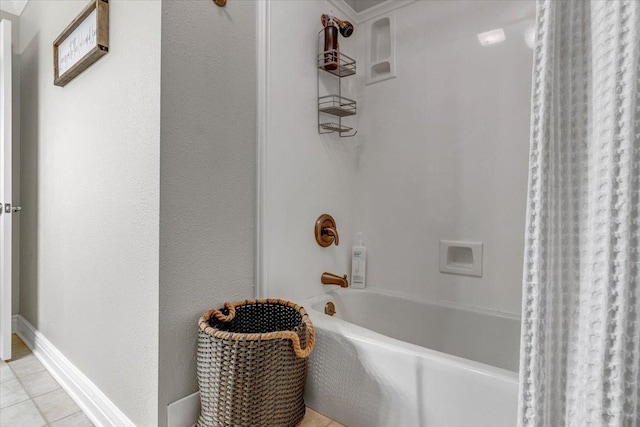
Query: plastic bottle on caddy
point(358, 263)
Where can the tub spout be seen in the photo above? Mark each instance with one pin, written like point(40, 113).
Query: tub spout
point(334, 279)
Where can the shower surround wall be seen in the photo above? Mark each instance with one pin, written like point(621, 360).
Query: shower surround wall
point(444, 153)
point(441, 153)
point(306, 174)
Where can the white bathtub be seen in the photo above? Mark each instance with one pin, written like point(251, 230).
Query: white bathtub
point(387, 360)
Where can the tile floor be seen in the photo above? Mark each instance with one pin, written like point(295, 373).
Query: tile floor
point(30, 397)
point(315, 419)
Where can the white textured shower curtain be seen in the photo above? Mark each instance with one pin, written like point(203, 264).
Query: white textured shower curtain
point(580, 349)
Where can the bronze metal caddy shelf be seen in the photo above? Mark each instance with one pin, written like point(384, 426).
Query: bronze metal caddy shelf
point(333, 107)
point(331, 127)
point(337, 63)
point(337, 105)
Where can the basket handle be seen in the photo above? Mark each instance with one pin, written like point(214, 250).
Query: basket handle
point(289, 335)
point(221, 316)
point(295, 339)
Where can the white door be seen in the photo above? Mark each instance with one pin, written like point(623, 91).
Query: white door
point(5, 189)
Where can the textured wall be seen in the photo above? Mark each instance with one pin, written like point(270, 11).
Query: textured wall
point(208, 151)
point(89, 241)
point(445, 153)
point(15, 30)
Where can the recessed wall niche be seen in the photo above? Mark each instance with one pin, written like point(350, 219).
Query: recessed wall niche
point(381, 48)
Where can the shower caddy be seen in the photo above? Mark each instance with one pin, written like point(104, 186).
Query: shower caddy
point(334, 106)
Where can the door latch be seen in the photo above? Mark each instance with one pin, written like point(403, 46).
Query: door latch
point(9, 209)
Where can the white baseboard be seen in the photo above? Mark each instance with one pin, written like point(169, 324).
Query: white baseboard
point(100, 410)
point(184, 412)
point(14, 323)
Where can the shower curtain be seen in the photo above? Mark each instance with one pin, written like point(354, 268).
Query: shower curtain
point(580, 347)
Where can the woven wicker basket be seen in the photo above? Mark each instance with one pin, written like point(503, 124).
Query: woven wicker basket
point(252, 364)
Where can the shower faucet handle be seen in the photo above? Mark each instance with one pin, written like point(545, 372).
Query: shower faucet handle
point(332, 232)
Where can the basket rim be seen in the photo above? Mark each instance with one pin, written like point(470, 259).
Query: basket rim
point(204, 326)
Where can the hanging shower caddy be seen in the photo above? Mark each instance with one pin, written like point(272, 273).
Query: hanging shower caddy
point(334, 107)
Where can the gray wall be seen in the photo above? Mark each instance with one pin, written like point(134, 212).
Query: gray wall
point(15, 42)
point(90, 181)
point(207, 175)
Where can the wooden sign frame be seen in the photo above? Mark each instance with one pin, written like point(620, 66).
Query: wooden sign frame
point(100, 49)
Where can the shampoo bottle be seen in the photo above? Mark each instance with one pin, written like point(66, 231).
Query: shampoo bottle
point(358, 263)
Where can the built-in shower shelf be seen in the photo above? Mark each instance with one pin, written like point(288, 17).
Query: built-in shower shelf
point(337, 63)
point(336, 105)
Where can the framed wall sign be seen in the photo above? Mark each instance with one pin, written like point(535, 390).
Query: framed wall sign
point(82, 43)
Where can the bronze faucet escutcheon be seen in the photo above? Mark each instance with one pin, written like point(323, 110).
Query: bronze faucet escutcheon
point(326, 231)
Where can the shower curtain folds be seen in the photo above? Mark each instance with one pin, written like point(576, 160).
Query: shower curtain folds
point(580, 345)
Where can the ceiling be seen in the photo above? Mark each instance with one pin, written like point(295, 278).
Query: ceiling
point(15, 7)
point(360, 5)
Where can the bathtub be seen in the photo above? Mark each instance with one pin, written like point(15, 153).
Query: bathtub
point(388, 360)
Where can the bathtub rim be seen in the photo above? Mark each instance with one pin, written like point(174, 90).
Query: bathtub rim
point(441, 303)
point(370, 337)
